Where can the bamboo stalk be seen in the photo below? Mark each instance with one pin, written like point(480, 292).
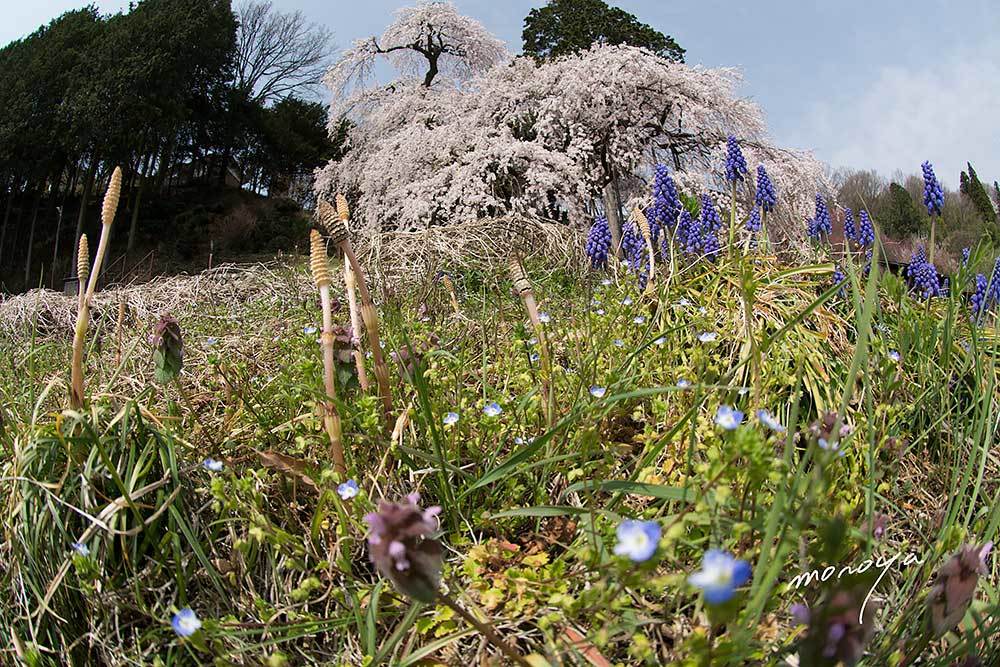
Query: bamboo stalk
point(331, 419)
point(83, 305)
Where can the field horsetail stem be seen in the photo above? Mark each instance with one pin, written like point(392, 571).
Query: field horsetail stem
point(82, 269)
point(522, 286)
point(92, 276)
point(640, 220)
point(326, 215)
point(331, 418)
point(336, 226)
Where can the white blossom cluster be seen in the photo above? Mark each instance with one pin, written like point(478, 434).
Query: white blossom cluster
point(499, 135)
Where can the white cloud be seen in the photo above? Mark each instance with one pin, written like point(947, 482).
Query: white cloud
point(943, 110)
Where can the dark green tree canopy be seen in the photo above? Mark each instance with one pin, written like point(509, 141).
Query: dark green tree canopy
point(900, 215)
point(568, 26)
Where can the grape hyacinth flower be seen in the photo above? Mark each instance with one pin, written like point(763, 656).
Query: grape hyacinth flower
point(922, 275)
point(185, 622)
point(599, 243)
point(710, 223)
point(850, 230)
point(634, 250)
point(400, 546)
point(753, 222)
point(839, 278)
point(933, 194)
point(687, 233)
point(736, 165)
point(866, 231)
point(348, 490)
point(765, 197)
point(212, 465)
point(728, 417)
point(965, 255)
point(820, 224)
point(638, 540)
point(662, 216)
point(987, 293)
point(720, 575)
point(955, 587)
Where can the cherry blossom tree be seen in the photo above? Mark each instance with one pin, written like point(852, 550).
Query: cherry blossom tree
point(557, 140)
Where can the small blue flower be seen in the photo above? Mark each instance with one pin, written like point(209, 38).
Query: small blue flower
point(598, 392)
point(81, 548)
point(348, 489)
point(720, 575)
point(894, 356)
point(599, 311)
point(637, 539)
point(492, 409)
point(683, 302)
point(707, 336)
point(544, 318)
point(683, 384)
point(639, 319)
point(450, 418)
point(618, 342)
point(212, 464)
point(627, 301)
point(210, 341)
point(185, 622)
point(606, 282)
point(768, 420)
point(534, 357)
point(661, 341)
point(727, 417)
point(532, 341)
point(309, 330)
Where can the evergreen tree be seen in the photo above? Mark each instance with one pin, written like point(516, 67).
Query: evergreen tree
point(563, 27)
point(901, 217)
point(981, 199)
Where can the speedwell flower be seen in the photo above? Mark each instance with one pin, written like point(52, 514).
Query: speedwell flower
point(598, 392)
point(768, 420)
point(348, 489)
point(637, 539)
point(728, 418)
point(492, 409)
point(720, 575)
point(212, 464)
point(185, 622)
point(450, 418)
point(707, 336)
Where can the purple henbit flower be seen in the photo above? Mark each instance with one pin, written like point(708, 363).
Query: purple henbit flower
point(820, 224)
point(850, 230)
point(866, 231)
point(401, 548)
point(922, 275)
point(599, 243)
point(765, 196)
point(736, 166)
point(837, 630)
point(955, 587)
point(753, 222)
point(933, 194)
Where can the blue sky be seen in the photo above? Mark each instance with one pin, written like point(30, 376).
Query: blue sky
point(881, 84)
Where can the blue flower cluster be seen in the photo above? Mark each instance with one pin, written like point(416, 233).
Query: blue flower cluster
point(820, 224)
point(965, 255)
point(933, 194)
point(765, 196)
point(634, 250)
point(753, 222)
point(736, 165)
point(599, 243)
point(866, 231)
point(922, 275)
point(687, 233)
point(840, 278)
point(850, 229)
point(987, 293)
point(709, 227)
point(662, 215)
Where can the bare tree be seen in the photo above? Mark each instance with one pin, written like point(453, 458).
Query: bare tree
point(277, 53)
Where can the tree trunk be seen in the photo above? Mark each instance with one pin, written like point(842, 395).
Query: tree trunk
point(31, 237)
point(612, 209)
point(6, 218)
point(88, 185)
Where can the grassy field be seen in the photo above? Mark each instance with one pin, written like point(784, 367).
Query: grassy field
point(878, 442)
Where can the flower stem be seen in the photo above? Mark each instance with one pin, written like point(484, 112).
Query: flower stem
point(485, 629)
